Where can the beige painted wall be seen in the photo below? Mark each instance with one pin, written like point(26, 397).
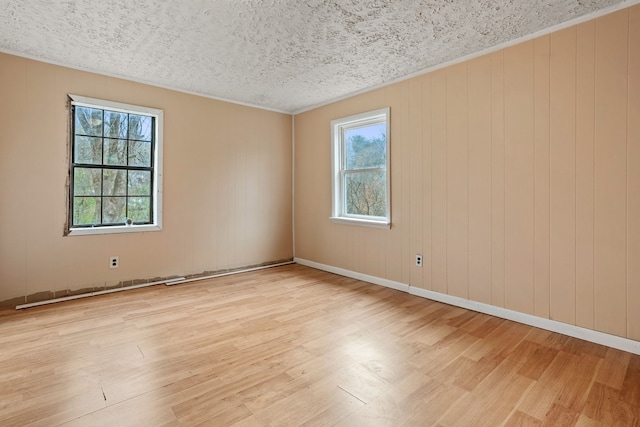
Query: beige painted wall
point(227, 185)
point(516, 175)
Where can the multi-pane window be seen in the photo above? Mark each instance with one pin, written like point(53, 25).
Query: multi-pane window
point(361, 169)
point(114, 166)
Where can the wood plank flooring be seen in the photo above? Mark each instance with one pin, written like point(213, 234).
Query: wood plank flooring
point(292, 346)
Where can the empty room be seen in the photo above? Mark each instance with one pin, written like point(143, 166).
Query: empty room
point(323, 213)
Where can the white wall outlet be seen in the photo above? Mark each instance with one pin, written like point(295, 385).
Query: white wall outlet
point(114, 262)
point(418, 260)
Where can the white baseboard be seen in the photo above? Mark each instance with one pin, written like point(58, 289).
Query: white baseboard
point(597, 337)
point(348, 273)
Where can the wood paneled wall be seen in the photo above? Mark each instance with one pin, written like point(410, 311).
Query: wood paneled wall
point(227, 186)
point(516, 175)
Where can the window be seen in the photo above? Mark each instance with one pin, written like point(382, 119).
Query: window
point(115, 173)
point(360, 158)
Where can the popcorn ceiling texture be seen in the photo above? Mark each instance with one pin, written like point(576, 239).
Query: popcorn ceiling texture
point(285, 55)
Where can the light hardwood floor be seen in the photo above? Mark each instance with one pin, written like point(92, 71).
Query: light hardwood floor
point(296, 346)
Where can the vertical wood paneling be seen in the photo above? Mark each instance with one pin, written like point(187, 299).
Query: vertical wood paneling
point(371, 249)
point(236, 194)
point(350, 261)
point(541, 177)
point(439, 181)
point(611, 173)
point(518, 76)
point(563, 175)
point(209, 190)
point(529, 161)
point(42, 231)
point(273, 157)
point(479, 78)
point(393, 240)
point(426, 180)
point(497, 179)
point(406, 253)
point(233, 220)
point(336, 235)
point(224, 164)
point(585, 81)
point(179, 250)
point(457, 183)
point(256, 188)
point(200, 248)
point(416, 193)
point(215, 247)
point(633, 178)
point(358, 256)
point(311, 241)
point(377, 238)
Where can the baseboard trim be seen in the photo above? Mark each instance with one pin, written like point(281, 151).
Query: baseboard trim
point(167, 282)
point(95, 293)
point(354, 275)
point(590, 335)
point(227, 273)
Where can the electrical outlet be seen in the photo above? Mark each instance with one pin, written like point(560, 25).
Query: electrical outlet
point(418, 260)
point(114, 262)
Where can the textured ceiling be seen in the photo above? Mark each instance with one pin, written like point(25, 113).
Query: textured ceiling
point(285, 55)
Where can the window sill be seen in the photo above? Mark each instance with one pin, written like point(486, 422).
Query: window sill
point(114, 230)
point(361, 222)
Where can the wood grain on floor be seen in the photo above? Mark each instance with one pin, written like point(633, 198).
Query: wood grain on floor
point(292, 346)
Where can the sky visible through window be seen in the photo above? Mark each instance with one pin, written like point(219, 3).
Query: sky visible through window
point(368, 131)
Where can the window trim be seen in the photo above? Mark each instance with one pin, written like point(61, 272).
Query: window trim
point(156, 225)
point(338, 130)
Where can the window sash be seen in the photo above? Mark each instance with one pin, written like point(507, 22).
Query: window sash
point(139, 207)
point(341, 171)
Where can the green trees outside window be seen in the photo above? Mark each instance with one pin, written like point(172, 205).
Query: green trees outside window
point(360, 159)
point(111, 167)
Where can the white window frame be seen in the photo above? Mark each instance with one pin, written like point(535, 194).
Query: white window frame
point(338, 154)
point(158, 114)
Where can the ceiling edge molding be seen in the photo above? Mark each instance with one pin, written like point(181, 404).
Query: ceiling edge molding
point(115, 76)
point(585, 18)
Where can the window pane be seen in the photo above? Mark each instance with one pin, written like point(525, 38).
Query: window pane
point(88, 121)
point(139, 209)
point(115, 152)
point(112, 170)
point(140, 127)
point(87, 182)
point(88, 150)
point(114, 183)
point(139, 153)
point(365, 193)
point(116, 124)
point(139, 183)
point(113, 210)
point(86, 210)
point(366, 147)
